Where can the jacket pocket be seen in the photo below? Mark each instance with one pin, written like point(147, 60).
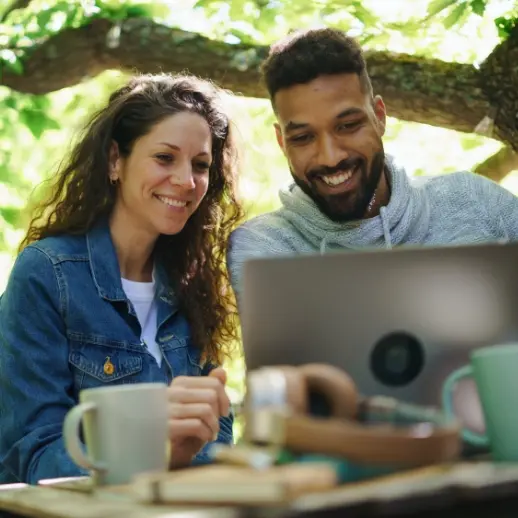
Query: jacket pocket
point(96, 365)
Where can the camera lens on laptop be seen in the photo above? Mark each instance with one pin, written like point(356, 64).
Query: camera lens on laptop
point(397, 359)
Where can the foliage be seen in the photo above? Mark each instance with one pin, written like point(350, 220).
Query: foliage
point(35, 130)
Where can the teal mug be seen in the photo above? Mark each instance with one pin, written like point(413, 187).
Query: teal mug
point(495, 372)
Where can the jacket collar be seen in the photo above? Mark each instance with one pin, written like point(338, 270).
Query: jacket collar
point(106, 271)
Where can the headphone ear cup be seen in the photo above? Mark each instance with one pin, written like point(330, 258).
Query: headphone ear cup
point(296, 390)
point(335, 385)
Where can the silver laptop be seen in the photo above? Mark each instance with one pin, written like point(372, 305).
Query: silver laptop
point(397, 321)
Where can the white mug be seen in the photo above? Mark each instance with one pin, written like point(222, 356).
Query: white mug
point(125, 431)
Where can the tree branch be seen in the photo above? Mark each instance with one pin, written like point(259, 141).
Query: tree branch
point(499, 165)
point(429, 91)
point(17, 4)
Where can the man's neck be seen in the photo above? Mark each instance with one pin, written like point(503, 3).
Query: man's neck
point(380, 198)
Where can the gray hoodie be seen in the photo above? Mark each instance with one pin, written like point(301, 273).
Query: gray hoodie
point(450, 209)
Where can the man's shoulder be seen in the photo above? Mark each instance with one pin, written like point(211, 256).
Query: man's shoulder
point(456, 180)
point(264, 235)
point(266, 226)
point(453, 185)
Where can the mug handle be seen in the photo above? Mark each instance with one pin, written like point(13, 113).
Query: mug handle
point(73, 444)
point(470, 437)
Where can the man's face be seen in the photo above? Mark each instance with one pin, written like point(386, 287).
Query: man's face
point(330, 131)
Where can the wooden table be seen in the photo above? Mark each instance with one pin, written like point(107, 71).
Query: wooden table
point(470, 491)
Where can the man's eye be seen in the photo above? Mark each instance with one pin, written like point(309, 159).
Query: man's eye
point(349, 125)
point(299, 139)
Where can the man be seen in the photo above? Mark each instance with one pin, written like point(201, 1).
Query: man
point(347, 194)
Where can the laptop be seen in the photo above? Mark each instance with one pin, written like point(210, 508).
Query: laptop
point(397, 321)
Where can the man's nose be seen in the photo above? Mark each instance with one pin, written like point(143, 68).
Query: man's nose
point(329, 153)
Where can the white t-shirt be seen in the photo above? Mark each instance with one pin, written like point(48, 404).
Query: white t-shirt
point(142, 296)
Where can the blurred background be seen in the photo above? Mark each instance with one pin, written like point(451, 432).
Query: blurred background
point(447, 70)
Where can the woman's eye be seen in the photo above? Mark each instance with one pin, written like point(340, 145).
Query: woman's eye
point(203, 166)
point(165, 158)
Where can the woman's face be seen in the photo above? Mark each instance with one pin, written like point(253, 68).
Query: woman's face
point(166, 176)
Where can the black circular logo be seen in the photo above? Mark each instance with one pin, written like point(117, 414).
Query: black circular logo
point(397, 359)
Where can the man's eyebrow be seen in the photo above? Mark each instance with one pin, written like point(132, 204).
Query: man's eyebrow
point(293, 126)
point(348, 112)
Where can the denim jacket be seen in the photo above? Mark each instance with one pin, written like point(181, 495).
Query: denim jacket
point(62, 315)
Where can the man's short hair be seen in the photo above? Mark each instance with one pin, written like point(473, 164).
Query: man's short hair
point(305, 55)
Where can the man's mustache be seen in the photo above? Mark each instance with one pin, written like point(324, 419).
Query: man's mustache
point(343, 165)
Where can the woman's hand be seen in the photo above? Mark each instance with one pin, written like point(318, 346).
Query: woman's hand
point(195, 405)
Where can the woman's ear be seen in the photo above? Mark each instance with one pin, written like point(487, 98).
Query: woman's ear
point(115, 162)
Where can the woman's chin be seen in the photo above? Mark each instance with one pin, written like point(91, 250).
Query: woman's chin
point(171, 229)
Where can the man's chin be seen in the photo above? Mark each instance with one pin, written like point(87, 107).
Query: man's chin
point(341, 213)
point(339, 208)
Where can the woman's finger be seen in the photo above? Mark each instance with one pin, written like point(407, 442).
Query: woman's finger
point(214, 395)
point(183, 428)
point(224, 401)
point(202, 411)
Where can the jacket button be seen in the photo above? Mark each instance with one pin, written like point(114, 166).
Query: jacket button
point(108, 368)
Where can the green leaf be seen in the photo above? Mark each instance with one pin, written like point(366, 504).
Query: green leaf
point(436, 6)
point(243, 36)
point(455, 15)
point(237, 10)
point(136, 11)
point(16, 67)
point(11, 102)
point(4, 173)
point(40, 102)
point(44, 17)
point(37, 121)
point(363, 15)
point(470, 141)
point(203, 3)
point(10, 214)
point(505, 26)
point(478, 6)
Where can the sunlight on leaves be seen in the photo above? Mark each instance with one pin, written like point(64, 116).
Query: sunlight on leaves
point(36, 131)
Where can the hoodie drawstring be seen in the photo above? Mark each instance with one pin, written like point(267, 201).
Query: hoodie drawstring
point(323, 246)
point(386, 228)
point(504, 240)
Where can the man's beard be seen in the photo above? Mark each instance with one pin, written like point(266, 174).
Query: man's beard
point(348, 206)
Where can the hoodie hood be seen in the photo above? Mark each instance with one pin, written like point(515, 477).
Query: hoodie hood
point(405, 219)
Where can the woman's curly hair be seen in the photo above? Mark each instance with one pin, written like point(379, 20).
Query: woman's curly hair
point(81, 194)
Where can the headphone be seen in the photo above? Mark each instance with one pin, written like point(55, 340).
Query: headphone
point(316, 408)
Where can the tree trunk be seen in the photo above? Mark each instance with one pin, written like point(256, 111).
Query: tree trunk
point(499, 81)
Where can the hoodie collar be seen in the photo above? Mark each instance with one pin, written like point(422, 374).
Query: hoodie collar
point(405, 218)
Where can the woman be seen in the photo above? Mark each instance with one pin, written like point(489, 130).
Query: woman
point(121, 277)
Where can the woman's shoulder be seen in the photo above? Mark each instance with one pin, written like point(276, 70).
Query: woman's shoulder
point(61, 247)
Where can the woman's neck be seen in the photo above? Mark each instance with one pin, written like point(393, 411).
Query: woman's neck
point(134, 249)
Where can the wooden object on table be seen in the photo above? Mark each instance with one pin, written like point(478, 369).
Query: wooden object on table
point(49, 502)
point(236, 485)
point(436, 487)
